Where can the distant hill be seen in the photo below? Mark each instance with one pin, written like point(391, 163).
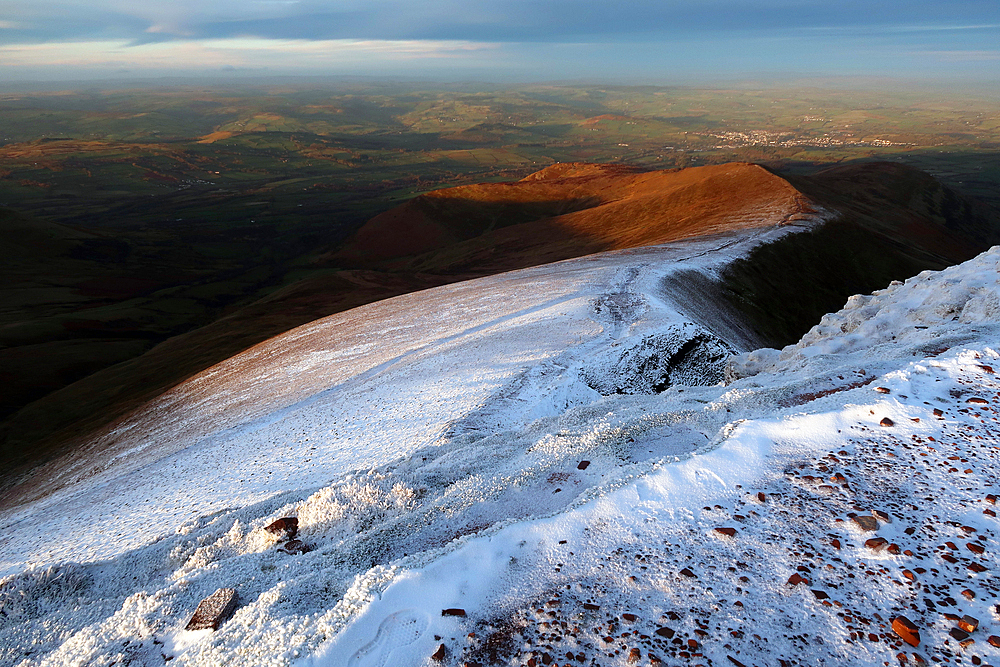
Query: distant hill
point(884, 222)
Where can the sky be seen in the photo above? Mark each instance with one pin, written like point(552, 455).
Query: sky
point(657, 41)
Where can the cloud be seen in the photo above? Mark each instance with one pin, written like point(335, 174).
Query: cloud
point(231, 53)
point(961, 56)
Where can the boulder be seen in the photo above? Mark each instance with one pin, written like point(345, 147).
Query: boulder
point(214, 610)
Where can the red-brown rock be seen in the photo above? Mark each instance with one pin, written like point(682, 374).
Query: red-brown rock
point(968, 623)
point(876, 543)
point(453, 612)
point(285, 528)
point(797, 579)
point(865, 522)
point(728, 532)
point(886, 422)
point(906, 630)
point(440, 653)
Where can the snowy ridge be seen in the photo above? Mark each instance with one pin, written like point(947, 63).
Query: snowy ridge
point(500, 463)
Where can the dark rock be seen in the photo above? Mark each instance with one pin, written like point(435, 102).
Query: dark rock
point(591, 607)
point(294, 547)
point(958, 634)
point(665, 632)
point(906, 630)
point(886, 422)
point(688, 573)
point(214, 610)
point(876, 543)
point(882, 390)
point(453, 612)
point(440, 653)
point(976, 567)
point(728, 532)
point(285, 528)
point(631, 618)
point(865, 522)
point(994, 641)
point(634, 655)
point(797, 579)
point(583, 465)
point(820, 595)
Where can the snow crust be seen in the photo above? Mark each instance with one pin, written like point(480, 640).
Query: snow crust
point(545, 450)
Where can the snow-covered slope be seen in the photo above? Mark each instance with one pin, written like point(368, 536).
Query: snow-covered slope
point(554, 453)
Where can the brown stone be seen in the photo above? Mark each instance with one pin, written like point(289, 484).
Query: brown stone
point(797, 579)
point(294, 547)
point(893, 549)
point(820, 595)
point(735, 661)
point(975, 400)
point(214, 610)
point(835, 543)
point(453, 612)
point(583, 465)
point(958, 634)
point(938, 412)
point(886, 422)
point(975, 547)
point(634, 655)
point(440, 653)
point(864, 522)
point(285, 528)
point(969, 594)
point(664, 632)
point(876, 543)
point(882, 390)
point(991, 499)
point(589, 606)
point(976, 567)
point(761, 496)
point(968, 623)
point(688, 573)
point(882, 516)
point(994, 641)
point(631, 618)
point(728, 532)
point(909, 575)
point(906, 630)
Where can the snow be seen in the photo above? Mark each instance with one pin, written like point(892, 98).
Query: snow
point(551, 451)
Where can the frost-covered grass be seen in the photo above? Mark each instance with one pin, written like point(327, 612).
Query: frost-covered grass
point(479, 447)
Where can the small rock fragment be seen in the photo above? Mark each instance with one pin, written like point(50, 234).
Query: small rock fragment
point(958, 634)
point(453, 612)
point(439, 654)
point(214, 610)
point(906, 630)
point(688, 573)
point(994, 641)
point(876, 543)
point(864, 522)
point(285, 528)
point(938, 412)
point(797, 579)
point(583, 465)
point(294, 547)
point(886, 422)
point(728, 532)
point(968, 623)
point(820, 595)
point(634, 655)
point(665, 632)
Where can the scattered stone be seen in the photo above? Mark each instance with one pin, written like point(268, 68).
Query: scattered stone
point(797, 579)
point(634, 655)
point(975, 547)
point(906, 630)
point(631, 618)
point(977, 401)
point(886, 422)
point(994, 641)
point(991, 499)
point(909, 575)
point(761, 496)
point(868, 523)
point(453, 612)
point(835, 543)
point(728, 532)
point(968, 623)
point(735, 661)
point(214, 610)
point(820, 595)
point(938, 412)
point(876, 543)
point(440, 653)
point(968, 594)
point(688, 573)
point(294, 547)
point(589, 606)
point(285, 528)
point(976, 567)
point(893, 549)
point(882, 516)
point(958, 634)
point(583, 465)
point(882, 390)
point(665, 632)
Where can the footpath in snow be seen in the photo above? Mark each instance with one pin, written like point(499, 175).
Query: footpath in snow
point(583, 486)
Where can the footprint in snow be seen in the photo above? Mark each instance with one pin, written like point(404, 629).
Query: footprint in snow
point(399, 629)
